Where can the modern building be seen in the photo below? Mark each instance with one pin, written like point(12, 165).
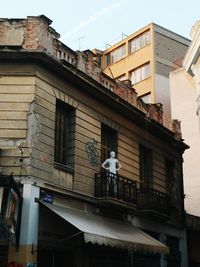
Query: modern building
point(60, 117)
point(185, 97)
point(146, 57)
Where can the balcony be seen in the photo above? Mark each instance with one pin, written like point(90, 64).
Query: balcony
point(151, 200)
point(118, 189)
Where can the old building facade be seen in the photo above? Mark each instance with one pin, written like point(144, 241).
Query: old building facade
point(60, 118)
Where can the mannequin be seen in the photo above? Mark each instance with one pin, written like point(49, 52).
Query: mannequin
point(112, 165)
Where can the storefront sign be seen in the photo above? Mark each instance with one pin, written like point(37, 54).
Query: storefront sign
point(10, 205)
point(12, 211)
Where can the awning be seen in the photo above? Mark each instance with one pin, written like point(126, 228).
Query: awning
point(105, 231)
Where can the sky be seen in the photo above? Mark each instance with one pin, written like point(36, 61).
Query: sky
point(92, 24)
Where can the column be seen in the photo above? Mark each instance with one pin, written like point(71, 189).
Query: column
point(183, 249)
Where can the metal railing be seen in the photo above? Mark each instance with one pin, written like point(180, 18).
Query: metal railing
point(151, 199)
point(118, 187)
point(115, 186)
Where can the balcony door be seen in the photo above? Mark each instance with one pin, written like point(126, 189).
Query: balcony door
point(146, 167)
point(108, 142)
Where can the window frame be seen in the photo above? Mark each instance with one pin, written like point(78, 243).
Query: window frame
point(140, 73)
point(109, 141)
point(64, 136)
point(116, 54)
point(146, 166)
point(140, 41)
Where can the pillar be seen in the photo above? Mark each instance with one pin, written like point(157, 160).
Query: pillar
point(183, 249)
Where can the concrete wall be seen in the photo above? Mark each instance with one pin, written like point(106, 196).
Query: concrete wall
point(162, 95)
point(169, 52)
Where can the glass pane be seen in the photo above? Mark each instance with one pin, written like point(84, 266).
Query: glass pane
point(118, 54)
point(147, 37)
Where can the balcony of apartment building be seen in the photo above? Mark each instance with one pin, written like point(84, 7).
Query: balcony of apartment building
point(121, 191)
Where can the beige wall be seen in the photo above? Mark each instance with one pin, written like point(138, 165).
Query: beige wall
point(39, 126)
point(16, 101)
point(183, 103)
point(132, 61)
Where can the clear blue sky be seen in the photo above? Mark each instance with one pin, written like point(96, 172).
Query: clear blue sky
point(88, 24)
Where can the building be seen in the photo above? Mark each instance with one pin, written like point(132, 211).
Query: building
point(146, 57)
point(60, 117)
point(185, 96)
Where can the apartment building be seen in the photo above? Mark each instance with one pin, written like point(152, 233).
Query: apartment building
point(185, 97)
point(146, 58)
point(60, 117)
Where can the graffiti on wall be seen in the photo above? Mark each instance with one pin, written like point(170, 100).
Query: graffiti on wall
point(92, 152)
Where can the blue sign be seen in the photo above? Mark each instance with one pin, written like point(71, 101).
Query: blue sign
point(48, 198)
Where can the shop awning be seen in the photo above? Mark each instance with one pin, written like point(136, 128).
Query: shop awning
point(105, 231)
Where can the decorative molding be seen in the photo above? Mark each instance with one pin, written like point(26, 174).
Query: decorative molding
point(65, 98)
point(108, 122)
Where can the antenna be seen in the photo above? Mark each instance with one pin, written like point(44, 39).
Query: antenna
point(124, 35)
point(108, 45)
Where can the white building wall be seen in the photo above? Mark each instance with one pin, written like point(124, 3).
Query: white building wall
point(183, 108)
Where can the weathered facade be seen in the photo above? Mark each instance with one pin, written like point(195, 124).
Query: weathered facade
point(59, 119)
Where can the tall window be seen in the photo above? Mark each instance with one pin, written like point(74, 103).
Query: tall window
point(169, 168)
point(146, 166)
point(140, 73)
point(116, 54)
point(64, 134)
point(139, 42)
point(108, 141)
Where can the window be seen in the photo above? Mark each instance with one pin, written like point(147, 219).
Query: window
point(139, 42)
point(140, 73)
point(146, 166)
point(108, 142)
point(64, 134)
point(116, 54)
point(146, 98)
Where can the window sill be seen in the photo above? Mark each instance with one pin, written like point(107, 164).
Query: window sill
point(63, 167)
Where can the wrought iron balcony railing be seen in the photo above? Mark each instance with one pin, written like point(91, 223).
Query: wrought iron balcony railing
point(151, 199)
point(108, 185)
point(115, 186)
